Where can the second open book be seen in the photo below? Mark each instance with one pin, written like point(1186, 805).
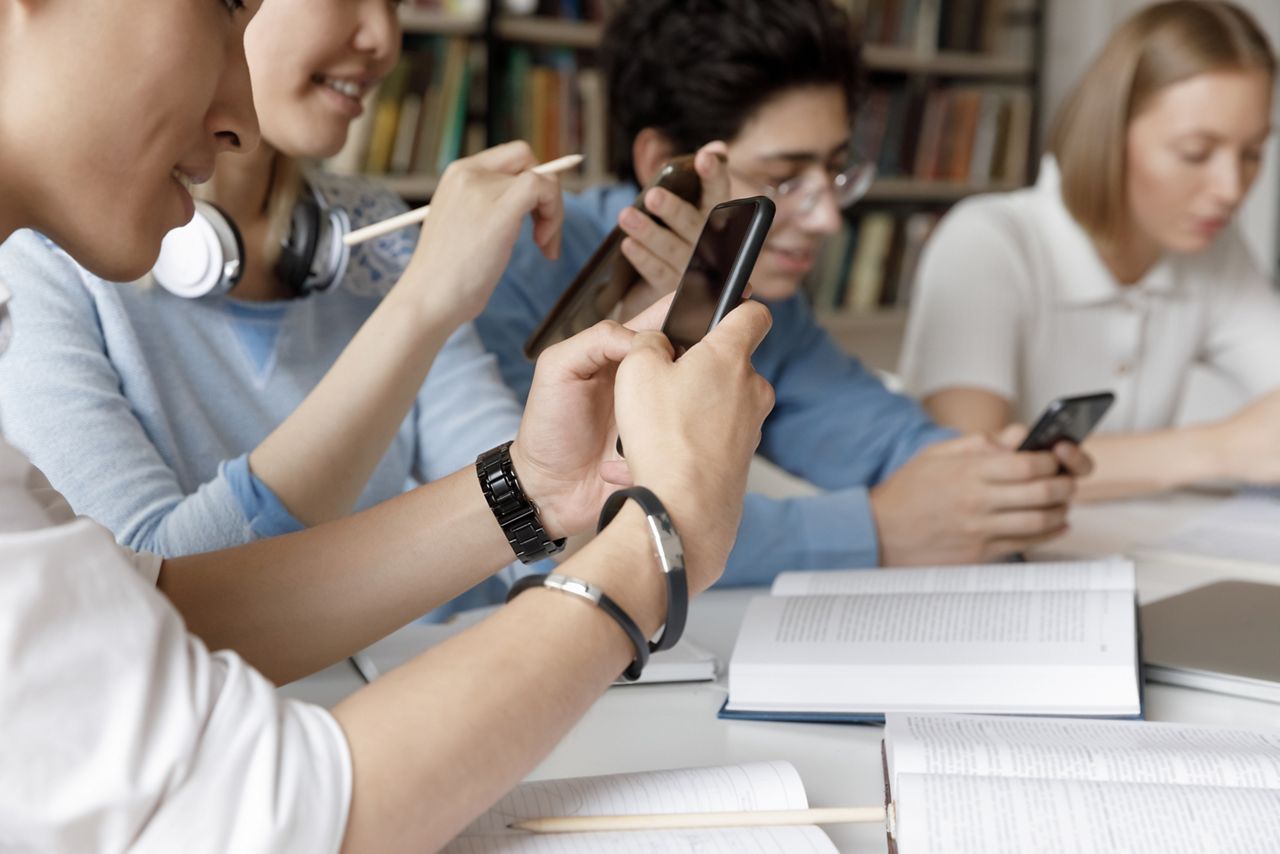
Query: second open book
point(986, 785)
point(1037, 639)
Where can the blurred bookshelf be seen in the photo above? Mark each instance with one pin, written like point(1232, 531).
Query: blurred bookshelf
point(950, 111)
point(473, 74)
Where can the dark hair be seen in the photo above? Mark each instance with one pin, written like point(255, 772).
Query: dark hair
point(697, 70)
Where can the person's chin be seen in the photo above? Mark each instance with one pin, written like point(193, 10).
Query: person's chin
point(774, 286)
point(122, 261)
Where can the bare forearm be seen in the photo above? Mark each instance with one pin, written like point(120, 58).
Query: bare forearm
point(436, 742)
point(1131, 464)
point(295, 604)
point(320, 458)
point(969, 410)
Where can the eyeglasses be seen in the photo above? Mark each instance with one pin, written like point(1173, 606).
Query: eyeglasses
point(801, 193)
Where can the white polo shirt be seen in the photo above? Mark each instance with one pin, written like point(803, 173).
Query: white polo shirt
point(1012, 298)
point(120, 731)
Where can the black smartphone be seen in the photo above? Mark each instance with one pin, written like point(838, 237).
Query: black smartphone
point(719, 269)
point(1067, 419)
point(607, 276)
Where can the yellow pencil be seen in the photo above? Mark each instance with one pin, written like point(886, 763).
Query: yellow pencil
point(673, 821)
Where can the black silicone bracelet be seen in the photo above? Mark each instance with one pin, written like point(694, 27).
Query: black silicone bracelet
point(669, 551)
point(589, 592)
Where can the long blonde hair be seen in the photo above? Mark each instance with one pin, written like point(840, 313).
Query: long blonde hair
point(1155, 48)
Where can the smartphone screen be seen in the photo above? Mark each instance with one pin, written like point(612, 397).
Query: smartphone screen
point(718, 271)
point(1067, 419)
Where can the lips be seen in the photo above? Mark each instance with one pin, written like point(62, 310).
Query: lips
point(354, 87)
point(796, 261)
point(185, 178)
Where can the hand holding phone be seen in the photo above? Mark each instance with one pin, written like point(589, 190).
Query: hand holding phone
point(607, 276)
point(1067, 419)
point(718, 271)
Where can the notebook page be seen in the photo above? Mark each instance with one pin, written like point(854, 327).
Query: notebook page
point(1136, 752)
point(685, 662)
point(985, 815)
point(1245, 528)
point(749, 787)
point(757, 840)
point(1109, 574)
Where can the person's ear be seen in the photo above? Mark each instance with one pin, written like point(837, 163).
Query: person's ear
point(649, 152)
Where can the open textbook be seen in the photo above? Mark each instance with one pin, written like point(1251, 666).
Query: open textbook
point(1038, 638)
point(737, 788)
point(991, 785)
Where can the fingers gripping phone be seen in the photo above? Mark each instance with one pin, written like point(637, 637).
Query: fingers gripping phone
point(607, 276)
point(718, 272)
point(1067, 419)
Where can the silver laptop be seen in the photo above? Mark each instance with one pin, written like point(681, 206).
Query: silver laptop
point(1223, 637)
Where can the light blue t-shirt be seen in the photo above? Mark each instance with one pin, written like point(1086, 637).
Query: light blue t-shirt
point(142, 407)
point(834, 423)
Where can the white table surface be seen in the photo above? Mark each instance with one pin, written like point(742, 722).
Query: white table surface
point(649, 727)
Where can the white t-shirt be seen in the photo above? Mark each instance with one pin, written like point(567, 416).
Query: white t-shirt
point(1012, 298)
point(120, 731)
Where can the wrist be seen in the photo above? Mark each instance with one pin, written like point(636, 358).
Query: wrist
point(516, 515)
point(1212, 454)
point(620, 561)
point(880, 519)
point(433, 307)
point(540, 491)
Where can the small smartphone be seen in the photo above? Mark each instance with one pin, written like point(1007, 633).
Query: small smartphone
point(607, 276)
point(718, 271)
point(1067, 419)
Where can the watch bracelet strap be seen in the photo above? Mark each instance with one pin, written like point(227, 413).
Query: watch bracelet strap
point(669, 551)
point(515, 513)
point(590, 593)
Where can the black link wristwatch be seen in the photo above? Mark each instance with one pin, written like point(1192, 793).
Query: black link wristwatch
point(516, 515)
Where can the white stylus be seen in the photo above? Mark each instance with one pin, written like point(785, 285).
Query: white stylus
point(360, 235)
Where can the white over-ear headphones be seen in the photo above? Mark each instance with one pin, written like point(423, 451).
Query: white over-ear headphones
point(205, 256)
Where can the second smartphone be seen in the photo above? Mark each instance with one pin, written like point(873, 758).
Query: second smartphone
point(607, 276)
point(1067, 419)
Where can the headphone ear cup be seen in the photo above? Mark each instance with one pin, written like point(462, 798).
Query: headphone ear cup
point(202, 257)
point(298, 251)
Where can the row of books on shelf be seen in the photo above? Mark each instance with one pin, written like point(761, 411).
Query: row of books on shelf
point(871, 264)
point(420, 119)
point(430, 110)
point(453, 8)
point(578, 10)
point(927, 26)
point(554, 104)
point(969, 134)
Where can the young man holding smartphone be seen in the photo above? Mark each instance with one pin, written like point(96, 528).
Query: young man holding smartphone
point(771, 86)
